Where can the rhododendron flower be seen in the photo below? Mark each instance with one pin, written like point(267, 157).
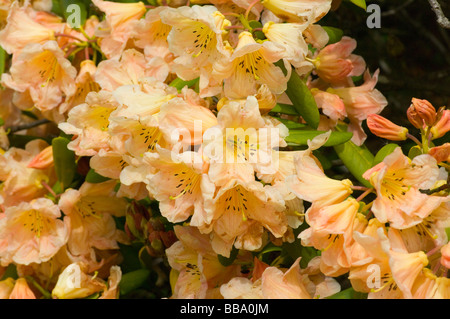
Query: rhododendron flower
point(182, 186)
point(22, 183)
point(359, 102)
point(331, 104)
point(91, 210)
point(241, 143)
point(398, 181)
point(150, 34)
point(298, 11)
point(44, 71)
point(195, 38)
point(199, 271)
point(129, 69)
point(89, 122)
point(32, 232)
point(331, 231)
point(336, 65)
point(117, 28)
point(250, 65)
point(21, 30)
point(240, 212)
point(85, 83)
point(75, 282)
point(288, 35)
point(310, 182)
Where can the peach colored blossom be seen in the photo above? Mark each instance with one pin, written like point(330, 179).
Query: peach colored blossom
point(359, 102)
point(20, 182)
point(43, 70)
point(21, 30)
point(182, 187)
point(251, 65)
point(198, 270)
point(398, 181)
point(91, 210)
point(241, 211)
point(336, 65)
point(117, 28)
point(32, 232)
point(298, 11)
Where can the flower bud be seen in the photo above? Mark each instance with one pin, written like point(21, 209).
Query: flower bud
point(21, 290)
point(384, 128)
point(425, 111)
point(43, 160)
point(442, 124)
point(74, 283)
point(441, 153)
point(414, 118)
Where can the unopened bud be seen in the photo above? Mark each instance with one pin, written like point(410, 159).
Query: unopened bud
point(442, 124)
point(425, 111)
point(414, 118)
point(43, 160)
point(384, 128)
point(441, 153)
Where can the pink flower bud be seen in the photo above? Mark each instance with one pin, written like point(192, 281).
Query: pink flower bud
point(442, 125)
point(425, 111)
point(43, 160)
point(384, 128)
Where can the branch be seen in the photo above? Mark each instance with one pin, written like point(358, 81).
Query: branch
point(17, 128)
point(441, 18)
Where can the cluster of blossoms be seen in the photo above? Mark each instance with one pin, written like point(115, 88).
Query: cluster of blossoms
point(181, 104)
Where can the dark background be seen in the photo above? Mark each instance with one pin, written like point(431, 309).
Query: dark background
point(411, 50)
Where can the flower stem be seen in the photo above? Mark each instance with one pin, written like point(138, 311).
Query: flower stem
point(367, 192)
point(412, 137)
point(45, 293)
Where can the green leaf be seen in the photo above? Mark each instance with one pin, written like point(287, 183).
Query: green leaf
point(133, 280)
point(179, 83)
point(2, 60)
point(357, 159)
point(227, 261)
point(360, 3)
point(301, 97)
point(383, 152)
point(301, 137)
point(335, 34)
point(70, 14)
point(414, 151)
point(291, 124)
point(258, 34)
point(93, 177)
point(349, 293)
point(64, 160)
point(284, 109)
point(303, 100)
point(11, 271)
